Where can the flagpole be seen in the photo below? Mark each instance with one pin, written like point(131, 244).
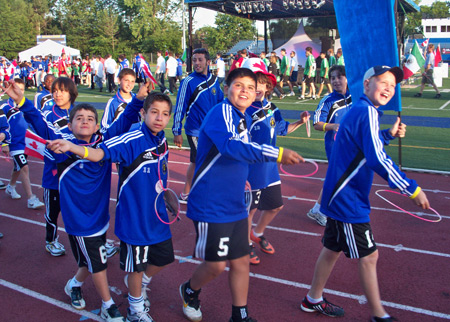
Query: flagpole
point(399, 113)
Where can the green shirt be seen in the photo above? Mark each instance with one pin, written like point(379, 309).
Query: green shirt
point(340, 61)
point(310, 62)
point(331, 61)
point(284, 68)
point(323, 68)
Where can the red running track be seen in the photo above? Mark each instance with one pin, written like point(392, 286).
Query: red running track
point(412, 269)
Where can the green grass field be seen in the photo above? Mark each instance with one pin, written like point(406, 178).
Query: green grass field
point(422, 148)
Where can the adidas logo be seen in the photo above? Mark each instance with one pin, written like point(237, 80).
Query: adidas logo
point(148, 156)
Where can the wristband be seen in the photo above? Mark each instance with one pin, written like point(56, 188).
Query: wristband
point(418, 190)
point(86, 153)
point(4, 144)
point(280, 154)
point(21, 102)
point(324, 125)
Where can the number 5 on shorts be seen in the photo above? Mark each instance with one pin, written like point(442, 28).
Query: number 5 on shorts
point(223, 246)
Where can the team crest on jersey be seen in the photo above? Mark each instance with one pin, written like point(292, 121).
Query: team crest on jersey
point(214, 91)
point(272, 122)
point(164, 167)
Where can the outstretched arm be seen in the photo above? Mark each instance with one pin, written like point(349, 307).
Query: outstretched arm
point(62, 146)
point(304, 117)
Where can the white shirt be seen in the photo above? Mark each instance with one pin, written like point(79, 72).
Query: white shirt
point(293, 63)
point(100, 71)
point(110, 65)
point(220, 67)
point(171, 65)
point(94, 64)
point(161, 65)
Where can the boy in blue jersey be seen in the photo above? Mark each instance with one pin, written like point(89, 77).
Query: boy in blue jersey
point(216, 203)
point(5, 137)
point(43, 96)
point(264, 178)
point(146, 242)
point(197, 94)
point(327, 117)
point(357, 153)
point(116, 105)
point(84, 188)
point(16, 149)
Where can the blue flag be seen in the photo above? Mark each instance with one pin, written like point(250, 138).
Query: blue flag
point(368, 38)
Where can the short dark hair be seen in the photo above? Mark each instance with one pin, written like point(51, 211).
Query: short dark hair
point(126, 71)
point(19, 81)
point(201, 51)
point(66, 84)
point(83, 106)
point(240, 73)
point(156, 97)
point(339, 68)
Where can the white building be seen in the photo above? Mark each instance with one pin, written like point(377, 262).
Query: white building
point(436, 28)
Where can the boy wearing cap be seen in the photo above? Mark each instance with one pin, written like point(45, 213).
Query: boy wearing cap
point(357, 153)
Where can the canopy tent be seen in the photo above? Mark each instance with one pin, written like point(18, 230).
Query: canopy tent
point(48, 47)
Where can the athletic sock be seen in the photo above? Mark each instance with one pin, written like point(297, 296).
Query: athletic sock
point(145, 280)
point(191, 293)
point(314, 301)
point(316, 208)
point(108, 303)
point(257, 234)
point(239, 313)
point(136, 304)
point(74, 283)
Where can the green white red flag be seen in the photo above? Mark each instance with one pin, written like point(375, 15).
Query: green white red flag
point(414, 62)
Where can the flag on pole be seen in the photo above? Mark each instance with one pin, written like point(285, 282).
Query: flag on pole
point(183, 58)
point(34, 145)
point(437, 56)
point(144, 68)
point(425, 42)
point(414, 62)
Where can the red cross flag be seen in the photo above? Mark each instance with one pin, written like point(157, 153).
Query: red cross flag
point(34, 145)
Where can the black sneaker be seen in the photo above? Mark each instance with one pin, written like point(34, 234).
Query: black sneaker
point(323, 307)
point(377, 319)
point(247, 319)
point(112, 314)
point(76, 298)
point(418, 95)
point(438, 95)
point(191, 305)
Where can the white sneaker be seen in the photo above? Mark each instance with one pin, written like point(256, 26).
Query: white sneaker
point(301, 97)
point(143, 292)
point(320, 218)
point(2, 185)
point(139, 316)
point(76, 297)
point(11, 191)
point(55, 248)
point(191, 306)
point(111, 250)
point(35, 203)
point(112, 314)
point(183, 198)
point(291, 94)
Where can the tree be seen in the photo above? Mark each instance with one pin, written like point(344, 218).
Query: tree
point(282, 30)
point(232, 29)
point(16, 36)
point(413, 23)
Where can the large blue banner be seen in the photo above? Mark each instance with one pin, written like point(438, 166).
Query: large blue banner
point(368, 38)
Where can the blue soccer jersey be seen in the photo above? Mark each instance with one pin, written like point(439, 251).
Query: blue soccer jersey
point(84, 186)
point(17, 126)
point(331, 109)
point(143, 173)
point(115, 106)
point(267, 123)
point(223, 157)
point(198, 93)
point(4, 127)
point(357, 153)
point(41, 98)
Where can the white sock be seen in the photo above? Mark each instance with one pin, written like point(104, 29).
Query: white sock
point(316, 207)
point(313, 301)
point(74, 283)
point(136, 304)
point(145, 280)
point(257, 234)
point(108, 303)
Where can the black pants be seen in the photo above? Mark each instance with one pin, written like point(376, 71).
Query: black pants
point(172, 82)
point(52, 210)
point(111, 84)
point(160, 80)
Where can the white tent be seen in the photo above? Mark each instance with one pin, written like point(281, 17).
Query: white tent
point(48, 47)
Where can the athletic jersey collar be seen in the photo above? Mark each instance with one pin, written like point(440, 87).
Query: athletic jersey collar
point(227, 101)
point(153, 139)
point(368, 101)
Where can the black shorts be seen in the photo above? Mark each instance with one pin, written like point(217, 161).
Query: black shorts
point(89, 252)
point(428, 79)
point(20, 160)
point(268, 198)
point(285, 78)
point(193, 142)
point(307, 80)
point(136, 258)
point(324, 80)
point(355, 240)
point(293, 77)
point(217, 242)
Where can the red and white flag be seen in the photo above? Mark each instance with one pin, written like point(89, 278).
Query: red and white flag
point(425, 42)
point(437, 56)
point(146, 70)
point(34, 145)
